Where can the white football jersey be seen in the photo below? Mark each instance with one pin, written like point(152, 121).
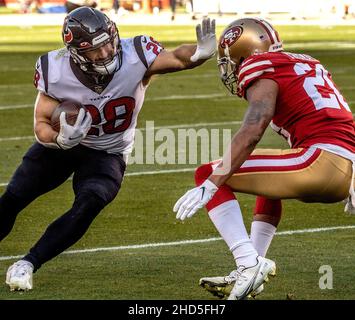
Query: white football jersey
point(114, 110)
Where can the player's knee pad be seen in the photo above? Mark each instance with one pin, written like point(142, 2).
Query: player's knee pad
point(88, 204)
point(268, 207)
point(105, 189)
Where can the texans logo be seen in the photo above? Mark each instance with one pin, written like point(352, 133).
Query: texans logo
point(68, 36)
point(231, 36)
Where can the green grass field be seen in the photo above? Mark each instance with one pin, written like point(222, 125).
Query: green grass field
point(142, 212)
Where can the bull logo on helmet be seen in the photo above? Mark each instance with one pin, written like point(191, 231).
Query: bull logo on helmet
point(231, 36)
point(68, 35)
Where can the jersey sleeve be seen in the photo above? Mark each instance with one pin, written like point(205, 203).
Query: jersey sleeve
point(147, 49)
point(259, 66)
point(41, 71)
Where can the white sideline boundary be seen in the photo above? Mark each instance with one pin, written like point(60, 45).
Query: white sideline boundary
point(185, 242)
point(164, 98)
point(177, 126)
point(139, 173)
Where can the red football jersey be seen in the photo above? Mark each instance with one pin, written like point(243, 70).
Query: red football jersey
point(309, 107)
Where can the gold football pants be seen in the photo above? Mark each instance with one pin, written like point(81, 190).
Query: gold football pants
point(307, 174)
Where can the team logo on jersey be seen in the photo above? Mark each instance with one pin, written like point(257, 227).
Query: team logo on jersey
point(231, 36)
point(68, 36)
point(98, 89)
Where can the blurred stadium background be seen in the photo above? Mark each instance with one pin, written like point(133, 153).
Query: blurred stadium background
point(301, 9)
point(136, 249)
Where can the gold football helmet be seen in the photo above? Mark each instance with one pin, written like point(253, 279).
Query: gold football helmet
point(241, 39)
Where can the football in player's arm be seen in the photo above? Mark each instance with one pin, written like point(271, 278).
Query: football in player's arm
point(108, 76)
point(296, 95)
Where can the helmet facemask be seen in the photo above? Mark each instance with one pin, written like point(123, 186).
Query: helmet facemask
point(228, 71)
point(105, 67)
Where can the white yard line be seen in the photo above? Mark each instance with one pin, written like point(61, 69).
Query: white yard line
point(320, 44)
point(184, 242)
point(17, 138)
point(184, 97)
point(196, 125)
point(174, 97)
point(16, 106)
point(144, 173)
point(140, 173)
point(183, 125)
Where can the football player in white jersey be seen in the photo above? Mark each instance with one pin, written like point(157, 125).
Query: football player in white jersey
point(109, 76)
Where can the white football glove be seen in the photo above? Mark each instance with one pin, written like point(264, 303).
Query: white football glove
point(206, 40)
point(70, 136)
point(194, 200)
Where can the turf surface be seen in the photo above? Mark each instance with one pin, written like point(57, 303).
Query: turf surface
point(142, 212)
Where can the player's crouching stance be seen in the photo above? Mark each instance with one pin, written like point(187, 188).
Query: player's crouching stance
point(109, 76)
point(297, 96)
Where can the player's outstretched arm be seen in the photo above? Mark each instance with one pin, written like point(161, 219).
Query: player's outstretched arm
point(261, 96)
point(187, 56)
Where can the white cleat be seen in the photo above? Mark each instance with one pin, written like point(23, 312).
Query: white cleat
point(19, 276)
point(221, 287)
point(248, 280)
point(256, 292)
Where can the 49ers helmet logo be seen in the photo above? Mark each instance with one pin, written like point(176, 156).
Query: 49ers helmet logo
point(68, 36)
point(231, 36)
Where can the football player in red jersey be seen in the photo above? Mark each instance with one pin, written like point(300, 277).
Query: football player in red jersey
point(296, 95)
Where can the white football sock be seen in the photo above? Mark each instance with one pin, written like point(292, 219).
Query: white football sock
point(261, 234)
point(228, 220)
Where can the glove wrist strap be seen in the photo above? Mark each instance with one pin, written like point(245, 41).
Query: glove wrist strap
point(56, 141)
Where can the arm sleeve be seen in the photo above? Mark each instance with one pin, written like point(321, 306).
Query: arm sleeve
point(40, 79)
point(147, 49)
